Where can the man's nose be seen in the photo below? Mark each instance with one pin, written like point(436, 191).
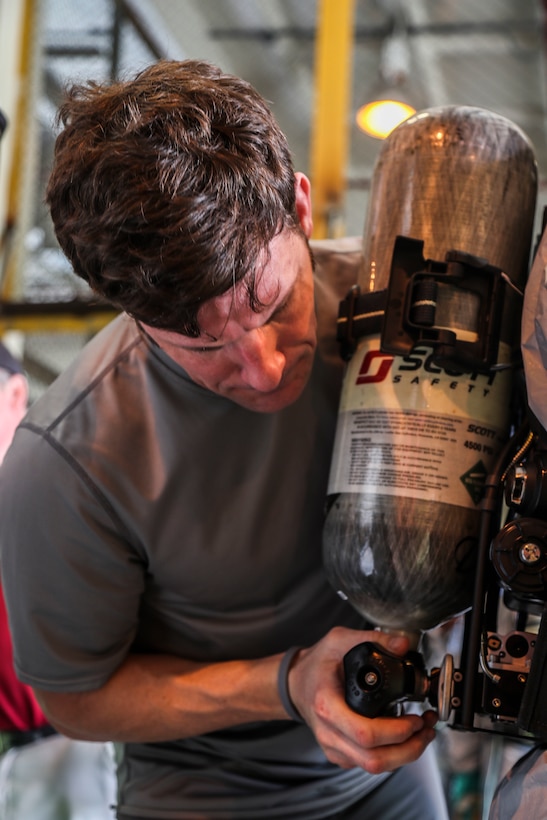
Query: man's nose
point(262, 364)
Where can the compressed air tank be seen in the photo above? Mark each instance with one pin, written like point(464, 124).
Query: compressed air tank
point(415, 440)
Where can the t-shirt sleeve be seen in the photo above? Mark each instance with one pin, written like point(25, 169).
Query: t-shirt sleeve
point(72, 573)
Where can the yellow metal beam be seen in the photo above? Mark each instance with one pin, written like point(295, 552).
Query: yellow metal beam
point(22, 132)
point(57, 320)
point(54, 324)
point(330, 126)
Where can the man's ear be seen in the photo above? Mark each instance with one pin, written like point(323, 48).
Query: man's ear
point(303, 202)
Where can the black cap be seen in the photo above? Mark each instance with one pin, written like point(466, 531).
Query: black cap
point(9, 362)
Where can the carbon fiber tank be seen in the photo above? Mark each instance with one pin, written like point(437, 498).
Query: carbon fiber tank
point(415, 441)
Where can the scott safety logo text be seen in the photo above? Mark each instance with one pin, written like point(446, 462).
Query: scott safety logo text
point(376, 367)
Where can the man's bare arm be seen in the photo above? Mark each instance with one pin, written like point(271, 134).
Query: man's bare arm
point(153, 698)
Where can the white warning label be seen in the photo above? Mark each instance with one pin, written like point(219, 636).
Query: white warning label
point(409, 428)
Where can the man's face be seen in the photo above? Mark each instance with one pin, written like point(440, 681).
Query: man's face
point(259, 360)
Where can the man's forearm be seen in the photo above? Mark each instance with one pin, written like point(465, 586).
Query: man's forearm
point(153, 698)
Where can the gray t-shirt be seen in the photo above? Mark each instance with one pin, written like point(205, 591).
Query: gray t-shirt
point(144, 513)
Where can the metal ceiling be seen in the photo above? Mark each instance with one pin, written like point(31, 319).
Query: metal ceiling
point(489, 54)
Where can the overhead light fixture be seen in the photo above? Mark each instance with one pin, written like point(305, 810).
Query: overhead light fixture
point(379, 117)
point(388, 107)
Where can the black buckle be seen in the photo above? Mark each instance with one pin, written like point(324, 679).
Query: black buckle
point(408, 313)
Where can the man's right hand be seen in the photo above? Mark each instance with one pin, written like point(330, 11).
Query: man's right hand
point(316, 686)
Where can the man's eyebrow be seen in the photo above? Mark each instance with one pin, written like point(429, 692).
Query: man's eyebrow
point(214, 346)
point(284, 302)
point(200, 348)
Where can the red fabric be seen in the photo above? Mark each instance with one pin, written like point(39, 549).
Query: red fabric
point(19, 710)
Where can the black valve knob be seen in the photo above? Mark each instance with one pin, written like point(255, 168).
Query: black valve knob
point(376, 679)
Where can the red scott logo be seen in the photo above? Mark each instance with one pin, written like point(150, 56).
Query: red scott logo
point(375, 367)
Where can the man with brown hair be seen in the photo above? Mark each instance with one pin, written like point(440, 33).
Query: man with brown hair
point(174, 598)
